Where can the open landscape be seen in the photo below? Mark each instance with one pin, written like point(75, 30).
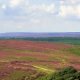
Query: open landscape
point(35, 58)
point(39, 39)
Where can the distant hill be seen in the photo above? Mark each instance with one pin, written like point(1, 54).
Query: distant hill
point(25, 34)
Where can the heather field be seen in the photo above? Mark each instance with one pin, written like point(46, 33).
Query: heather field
point(30, 60)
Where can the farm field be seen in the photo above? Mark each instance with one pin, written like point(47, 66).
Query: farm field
point(31, 60)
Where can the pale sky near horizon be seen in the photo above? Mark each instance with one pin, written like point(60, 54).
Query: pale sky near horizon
point(39, 16)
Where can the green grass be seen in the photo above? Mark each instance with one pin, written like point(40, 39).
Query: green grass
point(24, 75)
point(16, 75)
point(27, 59)
point(16, 58)
point(75, 51)
point(43, 69)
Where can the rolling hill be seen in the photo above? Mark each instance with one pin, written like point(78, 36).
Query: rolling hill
point(25, 34)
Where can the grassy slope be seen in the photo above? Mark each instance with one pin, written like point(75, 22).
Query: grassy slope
point(54, 57)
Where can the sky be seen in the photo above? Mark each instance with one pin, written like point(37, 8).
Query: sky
point(39, 16)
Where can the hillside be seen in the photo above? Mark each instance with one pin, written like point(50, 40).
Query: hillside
point(39, 60)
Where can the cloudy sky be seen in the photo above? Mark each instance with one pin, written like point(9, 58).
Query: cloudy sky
point(39, 16)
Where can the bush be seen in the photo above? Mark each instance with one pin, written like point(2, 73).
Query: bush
point(68, 73)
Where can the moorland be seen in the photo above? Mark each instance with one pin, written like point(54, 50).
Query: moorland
point(50, 58)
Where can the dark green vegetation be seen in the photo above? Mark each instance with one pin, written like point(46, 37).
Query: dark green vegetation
point(68, 73)
point(70, 40)
point(57, 39)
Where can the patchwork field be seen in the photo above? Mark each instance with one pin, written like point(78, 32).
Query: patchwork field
point(21, 59)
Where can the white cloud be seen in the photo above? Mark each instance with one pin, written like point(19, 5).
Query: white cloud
point(3, 6)
point(35, 21)
point(42, 8)
point(24, 7)
point(70, 1)
point(14, 3)
point(78, 10)
point(66, 10)
point(70, 8)
point(74, 1)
